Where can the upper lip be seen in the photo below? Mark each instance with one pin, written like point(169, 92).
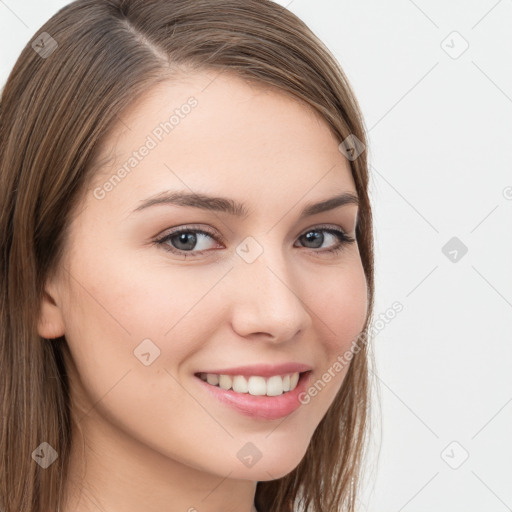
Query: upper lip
point(263, 370)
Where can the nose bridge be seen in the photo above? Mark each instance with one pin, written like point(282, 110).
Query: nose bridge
point(267, 297)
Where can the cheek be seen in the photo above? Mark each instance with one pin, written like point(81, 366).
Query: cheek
point(340, 303)
point(341, 310)
point(121, 315)
point(125, 301)
point(109, 315)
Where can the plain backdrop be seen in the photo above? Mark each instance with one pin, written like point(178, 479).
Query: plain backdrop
point(434, 81)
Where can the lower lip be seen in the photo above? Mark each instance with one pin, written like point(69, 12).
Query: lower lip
point(261, 407)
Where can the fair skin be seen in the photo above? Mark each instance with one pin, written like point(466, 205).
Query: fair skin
point(155, 440)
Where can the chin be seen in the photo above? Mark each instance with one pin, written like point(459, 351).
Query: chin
point(275, 464)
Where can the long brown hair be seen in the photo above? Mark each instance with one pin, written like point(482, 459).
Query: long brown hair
point(94, 59)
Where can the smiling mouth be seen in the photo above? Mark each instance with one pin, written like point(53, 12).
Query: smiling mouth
point(253, 385)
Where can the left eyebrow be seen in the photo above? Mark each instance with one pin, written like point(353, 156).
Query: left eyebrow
point(232, 207)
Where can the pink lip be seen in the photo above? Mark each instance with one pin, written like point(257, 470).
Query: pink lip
point(260, 407)
point(264, 370)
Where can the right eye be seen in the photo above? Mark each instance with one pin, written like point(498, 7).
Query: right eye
point(183, 240)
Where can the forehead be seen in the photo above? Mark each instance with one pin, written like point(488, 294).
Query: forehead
point(217, 133)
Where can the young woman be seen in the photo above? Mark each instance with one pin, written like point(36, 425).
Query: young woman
point(186, 264)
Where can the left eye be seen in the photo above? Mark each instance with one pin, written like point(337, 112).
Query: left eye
point(182, 241)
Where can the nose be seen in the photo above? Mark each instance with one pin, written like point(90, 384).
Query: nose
point(268, 299)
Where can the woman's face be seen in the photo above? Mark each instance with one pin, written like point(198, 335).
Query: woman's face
point(250, 286)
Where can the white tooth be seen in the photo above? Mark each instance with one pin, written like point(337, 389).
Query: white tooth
point(275, 386)
point(257, 386)
point(225, 381)
point(286, 383)
point(240, 384)
point(212, 379)
point(203, 376)
point(294, 378)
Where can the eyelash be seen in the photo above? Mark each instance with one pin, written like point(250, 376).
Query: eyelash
point(343, 240)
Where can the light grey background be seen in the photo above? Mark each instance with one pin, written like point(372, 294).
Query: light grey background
point(440, 129)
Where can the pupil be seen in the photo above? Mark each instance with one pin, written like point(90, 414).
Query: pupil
point(314, 235)
point(182, 238)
